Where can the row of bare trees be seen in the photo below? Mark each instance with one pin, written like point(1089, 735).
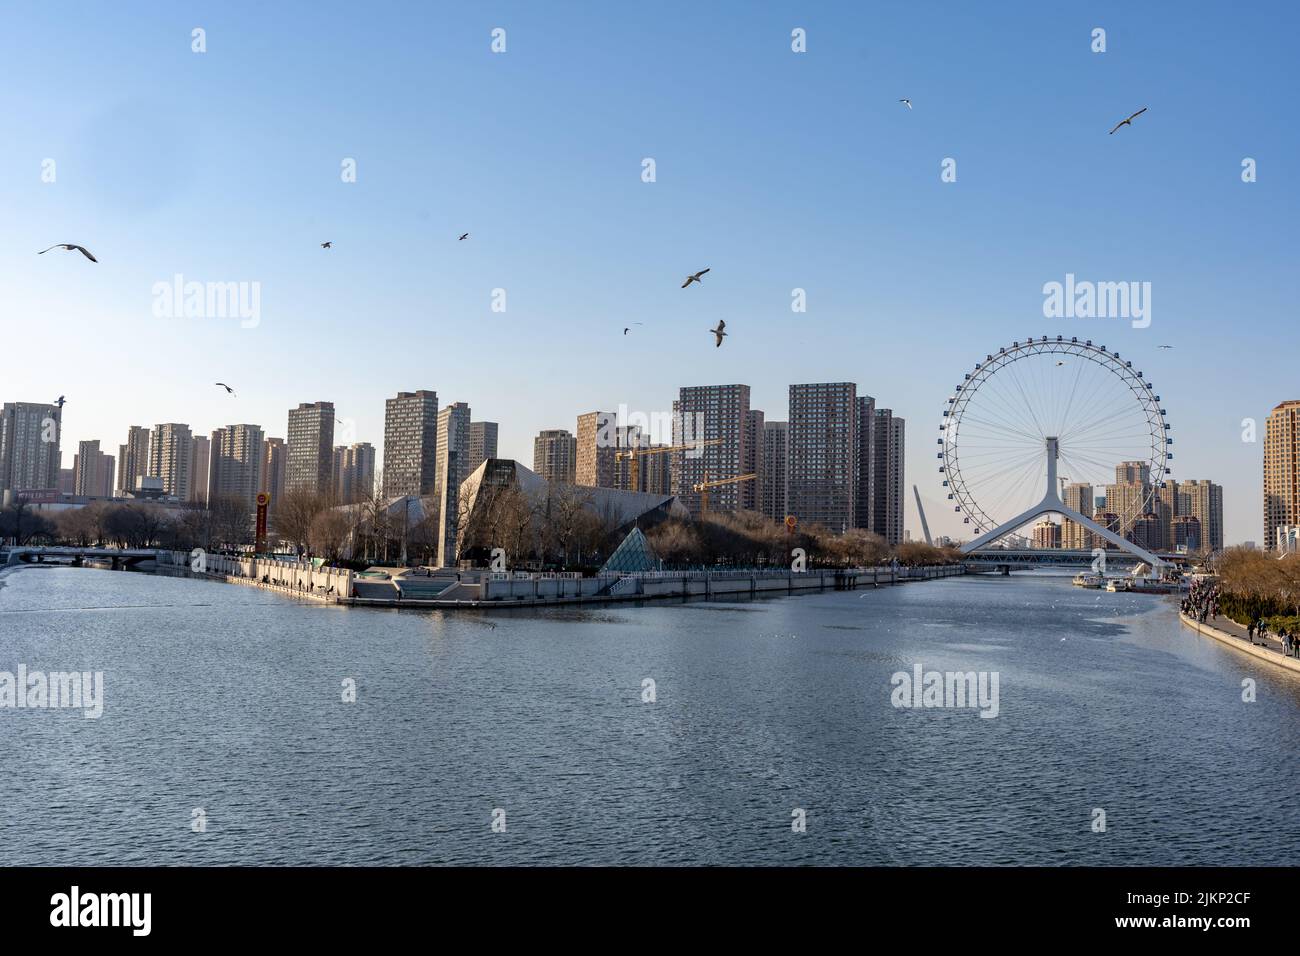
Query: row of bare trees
point(1257, 584)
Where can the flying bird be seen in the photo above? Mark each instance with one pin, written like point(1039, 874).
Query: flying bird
point(326, 245)
point(1129, 121)
point(229, 390)
point(718, 333)
point(69, 246)
point(464, 235)
point(1060, 363)
point(694, 278)
point(60, 401)
point(907, 103)
point(1166, 346)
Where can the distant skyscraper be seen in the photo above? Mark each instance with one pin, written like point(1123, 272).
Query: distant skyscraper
point(453, 453)
point(1133, 472)
point(1079, 497)
point(171, 456)
point(354, 472)
point(274, 455)
point(411, 444)
point(1047, 534)
point(200, 468)
point(93, 471)
point(29, 446)
point(776, 438)
point(1186, 534)
point(709, 412)
point(597, 448)
point(482, 444)
point(822, 474)
point(751, 492)
point(555, 455)
point(236, 456)
point(68, 479)
point(1204, 502)
point(864, 503)
point(887, 515)
point(133, 458)
point(1281, 470)
point(311, 449)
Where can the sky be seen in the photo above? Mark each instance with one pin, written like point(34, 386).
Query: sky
point(776, 170)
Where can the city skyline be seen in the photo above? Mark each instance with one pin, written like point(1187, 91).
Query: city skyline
point(1024, 211)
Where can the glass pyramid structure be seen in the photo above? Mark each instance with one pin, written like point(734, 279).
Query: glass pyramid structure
point(632, 555)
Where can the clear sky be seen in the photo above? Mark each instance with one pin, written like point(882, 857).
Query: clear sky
point(777, 170)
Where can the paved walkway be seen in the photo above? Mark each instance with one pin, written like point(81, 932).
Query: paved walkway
point(1233, 634)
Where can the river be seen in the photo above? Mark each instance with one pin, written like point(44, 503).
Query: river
point(224, 705)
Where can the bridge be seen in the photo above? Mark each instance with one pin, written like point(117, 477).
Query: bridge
point(120, 557)
point(1026, 559)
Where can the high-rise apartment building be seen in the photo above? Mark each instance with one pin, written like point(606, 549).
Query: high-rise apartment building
point(236, 455)
point(887, 490)
point(133, 458)
point(30, 459)
point(274, 455)
point(711, 412)
point(1079, 497)
point(411, 444)
point(200, 468)
point(822, 475)
point(598, 444)
point(1281, 470)
point(555, 455)
point(482, 444)
point(1204, 502)
point(1047, 534)
point(171, 456)
point(354, 472)
point(751, 492)
point(310, 463)
point(776, 442)
point(864, 504)
point(453, 454)
point(92, 471)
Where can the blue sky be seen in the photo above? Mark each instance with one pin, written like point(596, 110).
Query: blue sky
point(774, 169)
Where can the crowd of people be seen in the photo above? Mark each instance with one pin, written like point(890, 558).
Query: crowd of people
point(1202, 602)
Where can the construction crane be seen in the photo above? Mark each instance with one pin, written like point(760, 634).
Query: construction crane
point(635, 453)
point(703, 487)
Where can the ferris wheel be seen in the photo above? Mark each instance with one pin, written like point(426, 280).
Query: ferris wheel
point(1061, 408)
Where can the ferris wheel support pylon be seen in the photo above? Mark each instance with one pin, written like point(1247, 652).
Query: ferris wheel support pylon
point(1052, 504)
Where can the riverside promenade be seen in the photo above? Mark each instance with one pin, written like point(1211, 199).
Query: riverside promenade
point(1229, 632)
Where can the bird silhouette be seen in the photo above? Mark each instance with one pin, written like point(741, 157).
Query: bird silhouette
point(1129, 121)
point(464, 235)
point(718, 332)
point(69, 246)
point(1166, 346)
point(694, 278)
point(228, 389)
point(327, 245)
point(907, 103)
point(60, 401)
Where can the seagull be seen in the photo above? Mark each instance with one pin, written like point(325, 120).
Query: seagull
point(1060, 363)
point(626, 329)
point(1166, 346)
point(60, 401)
point(1129, 121)
point(718, 331)
point(463, 236)
point(694, 278)
point(69, 246)
point(907, 103)
point(228, 389)
point(326, 245)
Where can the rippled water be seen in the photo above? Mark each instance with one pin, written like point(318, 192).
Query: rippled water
point(229, 699)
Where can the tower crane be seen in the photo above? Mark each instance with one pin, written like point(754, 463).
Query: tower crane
point(703, 487)
point(635, 453)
